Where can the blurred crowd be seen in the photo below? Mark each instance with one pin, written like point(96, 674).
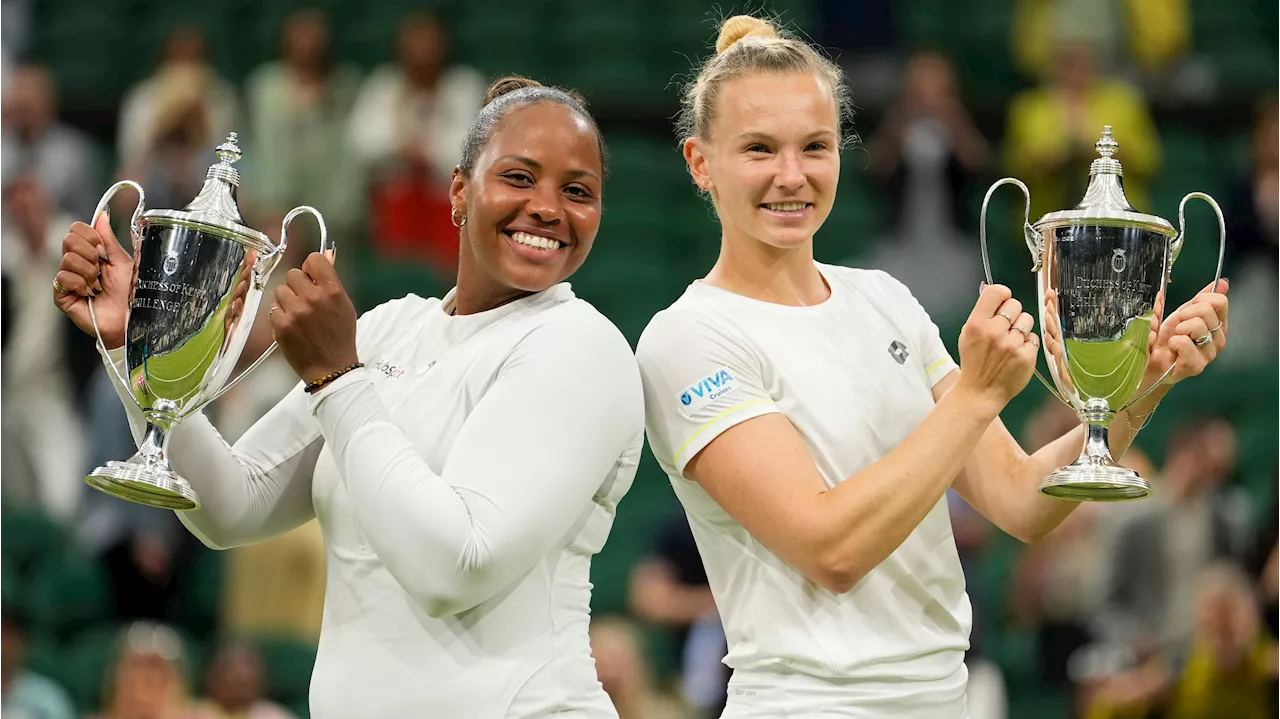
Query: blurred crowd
point(1162, 609)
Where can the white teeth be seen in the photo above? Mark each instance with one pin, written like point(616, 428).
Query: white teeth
point(541, 243)
point(785, 206)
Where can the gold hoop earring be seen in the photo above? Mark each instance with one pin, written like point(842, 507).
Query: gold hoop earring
point(458, 220)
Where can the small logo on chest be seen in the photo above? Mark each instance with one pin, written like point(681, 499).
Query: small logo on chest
point(899, 351)
point(388, 369)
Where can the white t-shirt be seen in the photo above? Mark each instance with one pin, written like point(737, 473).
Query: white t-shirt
point(854, 375)
point(463, 480)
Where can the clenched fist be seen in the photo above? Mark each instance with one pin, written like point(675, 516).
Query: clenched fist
point(314, 320)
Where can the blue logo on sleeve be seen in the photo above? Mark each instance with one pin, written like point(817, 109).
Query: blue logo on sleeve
point(707, 390)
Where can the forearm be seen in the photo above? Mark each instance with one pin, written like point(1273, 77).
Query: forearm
point(455, 536)
point(245, 496)
point(866, 517)
point(1041, 514)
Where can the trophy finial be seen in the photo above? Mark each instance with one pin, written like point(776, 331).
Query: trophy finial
point(229, 152)
point(1107, 146)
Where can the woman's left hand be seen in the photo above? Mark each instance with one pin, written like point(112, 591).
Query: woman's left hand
point(1174, 344)
point(314, 320)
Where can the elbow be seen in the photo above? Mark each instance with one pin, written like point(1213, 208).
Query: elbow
point(838, 573)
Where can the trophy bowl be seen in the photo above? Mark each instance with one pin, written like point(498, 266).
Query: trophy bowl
point(198, 278)
point(1100, 271)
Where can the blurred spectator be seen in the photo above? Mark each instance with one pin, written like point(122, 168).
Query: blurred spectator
point(33, 140)
point(407, 129)
point(234, 681)
point(37, 386)
point(1053, 129)
point(176, 147)
point(25, 694)
point(1228, 669)
point(1190, 523)
point(146, 680)
point(1252, 211)
point(299, 108)
point(1058, 581)
point(669, 589)
point(624, 673)
point(1264, 564)
point(925, 151)
point(145, 102)
point(1146, 34)
point(15, 19)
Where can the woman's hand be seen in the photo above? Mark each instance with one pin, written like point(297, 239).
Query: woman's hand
point(314, 320)
point(1174, 340)
point(997, 348)
point(94, 264)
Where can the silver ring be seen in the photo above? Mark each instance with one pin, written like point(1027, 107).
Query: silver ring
point(1007, 317)
point(273, 309)
point(1202, 341)
point(1025, 333)
point(1215, 329)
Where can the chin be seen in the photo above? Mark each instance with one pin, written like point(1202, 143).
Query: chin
point(787, 240)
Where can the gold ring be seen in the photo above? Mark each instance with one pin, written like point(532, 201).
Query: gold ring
point(1202, 341)
point(1215, 329)
point(57, 287)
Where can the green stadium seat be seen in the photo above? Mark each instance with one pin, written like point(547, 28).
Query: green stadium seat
point(29, 537)
point(288, 663)
point(68, 593)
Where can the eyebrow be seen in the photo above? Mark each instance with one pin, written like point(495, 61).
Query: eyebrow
point(757, 136)
point(537, 166)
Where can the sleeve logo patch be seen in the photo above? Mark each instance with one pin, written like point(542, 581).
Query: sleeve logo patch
point(707, 390)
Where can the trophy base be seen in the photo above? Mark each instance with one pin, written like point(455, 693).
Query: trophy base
point(152, 486)
point(1097, 483)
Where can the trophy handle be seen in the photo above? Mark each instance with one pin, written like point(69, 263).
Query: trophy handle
point(326, 248)
point(1175, 248)
point(1034, 243)
point(135, 231)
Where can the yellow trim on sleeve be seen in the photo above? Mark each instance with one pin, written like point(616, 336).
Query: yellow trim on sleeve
point(936, 365)
point(713, 420)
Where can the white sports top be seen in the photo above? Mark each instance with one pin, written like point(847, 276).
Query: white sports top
point(854, 375)
point(463, 481)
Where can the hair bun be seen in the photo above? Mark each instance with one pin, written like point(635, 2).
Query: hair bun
point(742, 26)
point(504, 85)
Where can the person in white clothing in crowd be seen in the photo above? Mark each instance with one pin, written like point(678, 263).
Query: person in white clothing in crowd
point(811, 420)
point(464, 456)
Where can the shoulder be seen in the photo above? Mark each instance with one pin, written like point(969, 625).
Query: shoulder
point(464, 77)
point(576, 326)
point(691, 320)
point(873, 282)
point(394, 317)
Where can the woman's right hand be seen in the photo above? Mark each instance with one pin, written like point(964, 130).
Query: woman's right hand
point(94, 264)
point(997, 348)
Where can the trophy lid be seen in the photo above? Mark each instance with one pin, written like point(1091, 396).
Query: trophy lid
point(1104, 201)
point(215, 208)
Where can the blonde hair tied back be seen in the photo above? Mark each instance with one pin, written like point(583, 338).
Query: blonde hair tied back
point(748, 45)
point(740, 27)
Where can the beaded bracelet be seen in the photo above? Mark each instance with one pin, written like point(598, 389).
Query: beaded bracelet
point(328, 379)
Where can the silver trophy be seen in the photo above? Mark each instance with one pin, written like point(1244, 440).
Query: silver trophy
point(1100, 268)
point(185, 330)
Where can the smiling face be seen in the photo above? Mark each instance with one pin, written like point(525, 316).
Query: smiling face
point(771, 162)
point(532, 204)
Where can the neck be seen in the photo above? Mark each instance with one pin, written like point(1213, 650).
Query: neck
point(476, 291)
point(423, 78)
point(763, 272)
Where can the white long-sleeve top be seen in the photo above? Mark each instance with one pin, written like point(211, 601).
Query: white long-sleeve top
point(463, 480)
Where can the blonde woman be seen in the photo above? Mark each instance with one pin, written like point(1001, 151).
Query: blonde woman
point(811, 420)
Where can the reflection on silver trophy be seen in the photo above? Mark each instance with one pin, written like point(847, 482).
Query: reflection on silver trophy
point(185, 328)
point(1100, 268)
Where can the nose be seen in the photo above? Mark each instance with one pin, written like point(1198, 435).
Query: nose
point(789, 176)
point(544, 204)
